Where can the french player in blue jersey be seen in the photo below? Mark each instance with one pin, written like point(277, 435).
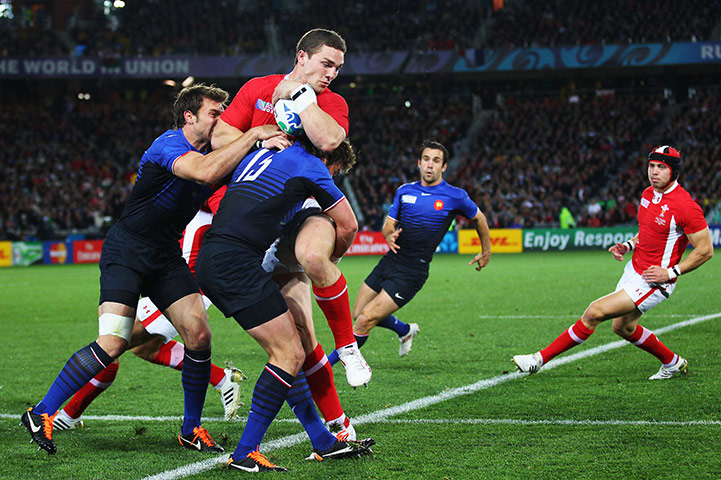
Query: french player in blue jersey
point(416, 223)
point(141, 256)
point(266, 188)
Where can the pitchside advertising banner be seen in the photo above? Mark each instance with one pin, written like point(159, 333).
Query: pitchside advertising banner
point(502, 241)
point(368, 243)
point(557, 239)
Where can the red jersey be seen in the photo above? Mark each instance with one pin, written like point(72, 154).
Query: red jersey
point(664, 221)
point(252, 105)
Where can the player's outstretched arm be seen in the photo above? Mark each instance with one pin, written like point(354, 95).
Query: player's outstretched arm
point(223, 134)
point(620, 249)
point(484, 234)
point(211, 168)
point(346, 227)
point(391, 232)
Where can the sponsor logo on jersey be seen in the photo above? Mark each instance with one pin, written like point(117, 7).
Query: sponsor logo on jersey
point(645, 203)
point(409, 199)
point(264, 106)
point(438, 205)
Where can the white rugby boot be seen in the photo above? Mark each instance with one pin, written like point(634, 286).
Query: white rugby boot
point(664, 373)
point(357, 371)
point(230, 391)
point(407, 340)
point(63, 421)
point(528, 363)
point(342, 433)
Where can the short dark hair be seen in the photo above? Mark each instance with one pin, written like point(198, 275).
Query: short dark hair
point(436, 146)
point(191, 98)
point(313, 41)
point(344, 154)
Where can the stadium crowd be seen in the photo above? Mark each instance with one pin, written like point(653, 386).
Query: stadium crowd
point(370, 26)
point(67, 168)
point(537, 155)
point(577, 22)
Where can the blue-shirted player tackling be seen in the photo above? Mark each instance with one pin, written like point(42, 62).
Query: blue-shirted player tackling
point(265, 188)
point(141, 255)
point(416, 223)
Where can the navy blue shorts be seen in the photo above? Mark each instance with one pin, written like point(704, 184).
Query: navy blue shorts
point(130, 267)
point(234, 280)
point(402, 280)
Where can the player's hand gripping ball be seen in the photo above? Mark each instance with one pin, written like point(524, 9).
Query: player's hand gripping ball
point(287, 118)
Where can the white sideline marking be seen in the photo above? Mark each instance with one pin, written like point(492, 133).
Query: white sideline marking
point(382, 415)
point(512, 421)
point(564, 316)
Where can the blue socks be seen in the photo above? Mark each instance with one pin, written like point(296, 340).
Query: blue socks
point(392, 323)
point(78, 370)
point(300, 401)
point(271, 390)
point(195, 377)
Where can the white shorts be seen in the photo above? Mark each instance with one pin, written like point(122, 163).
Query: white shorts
point(644, 295)
point(193, 236)
point(155, 322)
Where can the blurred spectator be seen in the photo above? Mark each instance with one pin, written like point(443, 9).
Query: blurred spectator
point(579, 22)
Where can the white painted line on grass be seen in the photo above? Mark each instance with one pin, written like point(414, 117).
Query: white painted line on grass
point(512, 421)
point(382, 415)
point(569, 316)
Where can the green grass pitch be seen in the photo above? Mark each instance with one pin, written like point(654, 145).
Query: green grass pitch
point(595, 417)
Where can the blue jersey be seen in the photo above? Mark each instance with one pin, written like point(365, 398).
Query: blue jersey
point(161, 204)
point(264, 188)
point(424, 214)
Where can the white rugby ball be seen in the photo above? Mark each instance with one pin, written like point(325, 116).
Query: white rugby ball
point(287, 118)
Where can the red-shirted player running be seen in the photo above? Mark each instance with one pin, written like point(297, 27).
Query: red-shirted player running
point(668, 220)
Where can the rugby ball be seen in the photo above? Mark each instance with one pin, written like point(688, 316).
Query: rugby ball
point(287, 118)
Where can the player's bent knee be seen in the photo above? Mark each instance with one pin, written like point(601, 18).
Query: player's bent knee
point(149, 350)
point(116, 325)
point(623, 331)
point(594, 315)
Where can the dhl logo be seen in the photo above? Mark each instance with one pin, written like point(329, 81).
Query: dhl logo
point(502, 241)
point(495, 242)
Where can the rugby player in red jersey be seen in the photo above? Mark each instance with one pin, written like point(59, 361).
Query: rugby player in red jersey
point(668, 220)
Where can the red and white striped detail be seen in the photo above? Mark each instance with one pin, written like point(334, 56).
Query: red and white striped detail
point(644, 336)
point(321, 363)
point(328, 299)
point(277, 376)
point(672, 241)
point(193, 237)
point(574, 336)
point(177, 353)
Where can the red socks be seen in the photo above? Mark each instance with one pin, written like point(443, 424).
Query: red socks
point(171, 355)
point(645, 339)
point(319, 375)
point(97, 385)
point(335, 304)
point(576, 334)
